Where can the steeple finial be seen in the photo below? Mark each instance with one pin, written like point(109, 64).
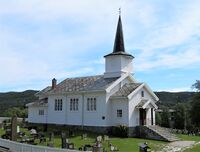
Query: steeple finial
point(119, 39)
point(120, 11)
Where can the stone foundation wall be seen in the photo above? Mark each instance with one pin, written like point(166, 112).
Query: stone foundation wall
point(133, 132)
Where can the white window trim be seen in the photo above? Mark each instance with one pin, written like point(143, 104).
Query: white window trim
point(119, 114)
point(91, 104)
point(74, 105)
point(58, 105)
point(41, 112)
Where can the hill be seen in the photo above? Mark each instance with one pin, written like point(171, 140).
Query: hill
point(19, 99)
point(16, 99)
point(171, 98)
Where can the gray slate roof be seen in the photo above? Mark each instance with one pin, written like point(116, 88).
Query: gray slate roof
point(90, 83)
point(126, 90)
point(45, 90)
point(41, 102)
point(141, 103)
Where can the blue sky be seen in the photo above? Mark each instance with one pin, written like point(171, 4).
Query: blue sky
point(43, 39)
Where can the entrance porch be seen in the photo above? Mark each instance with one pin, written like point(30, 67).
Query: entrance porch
point(146, 112)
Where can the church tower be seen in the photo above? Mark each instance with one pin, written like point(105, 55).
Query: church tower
point(118, 62)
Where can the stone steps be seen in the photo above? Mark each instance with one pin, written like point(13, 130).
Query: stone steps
point(164, 132)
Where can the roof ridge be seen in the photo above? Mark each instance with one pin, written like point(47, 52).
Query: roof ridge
point(84, 76)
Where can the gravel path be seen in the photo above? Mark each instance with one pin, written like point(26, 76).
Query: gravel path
point(178, 146)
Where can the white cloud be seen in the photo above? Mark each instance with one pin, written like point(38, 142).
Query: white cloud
point(181, 89)
point(183, 58)
point(48, 38)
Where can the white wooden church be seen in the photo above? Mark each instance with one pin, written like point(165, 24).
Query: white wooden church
point(101, 101)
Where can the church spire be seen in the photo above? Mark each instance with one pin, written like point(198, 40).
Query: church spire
point(119, 39)
point(119, 47)
point(119, 61)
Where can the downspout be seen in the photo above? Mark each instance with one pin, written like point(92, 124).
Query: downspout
point(83, 105)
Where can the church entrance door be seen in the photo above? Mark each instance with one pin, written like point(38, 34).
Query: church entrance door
point(142, 116)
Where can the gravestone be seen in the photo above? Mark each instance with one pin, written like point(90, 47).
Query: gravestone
point(106, 138)
point(50, 144)
point(71, 133)
point(96, 148)
point(87, 147)
point(70, 145)
point(84, 136)
point(18, 129)
point(14, 129)
point(63, 140)
point(99, 139)
point(51, 136)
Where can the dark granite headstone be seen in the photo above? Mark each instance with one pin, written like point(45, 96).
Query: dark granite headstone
point(14, 129)
point(51, 136)
point(63, 140)
point(50, 144)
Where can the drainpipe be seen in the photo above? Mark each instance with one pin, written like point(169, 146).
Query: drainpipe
point(83, 105)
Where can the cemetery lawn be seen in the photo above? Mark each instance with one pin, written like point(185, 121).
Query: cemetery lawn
point(2, 131)
point(123, 144)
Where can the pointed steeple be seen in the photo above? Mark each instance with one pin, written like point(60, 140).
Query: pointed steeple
point(119, 61)
point(119, 47)
point(119, 39)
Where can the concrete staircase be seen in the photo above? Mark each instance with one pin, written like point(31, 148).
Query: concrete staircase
point(165, 133)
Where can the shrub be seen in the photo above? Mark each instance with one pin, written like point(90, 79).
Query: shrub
point(119, 131)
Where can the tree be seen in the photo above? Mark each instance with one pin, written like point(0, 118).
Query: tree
point(195, 109)
point(16, 111)
point(165, 118)
point(196, 85)
point(158, 118)
point(180, 116)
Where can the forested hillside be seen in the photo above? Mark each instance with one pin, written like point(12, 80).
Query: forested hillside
point(171, 98)
point(19, 99)
point(15, 99)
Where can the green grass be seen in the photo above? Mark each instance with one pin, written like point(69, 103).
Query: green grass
point(194, 149)
point(2, 132)
point(191, 138)
point(123, 144)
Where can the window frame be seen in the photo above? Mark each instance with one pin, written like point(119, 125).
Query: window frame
point(142, 93)
point(41, 112)
point(74, 104)
point(119, 113)
point(58, 105)
point(91, 104)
